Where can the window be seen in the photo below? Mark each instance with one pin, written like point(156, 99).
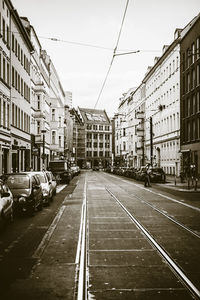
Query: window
point(4, 69)
point(59, 139)
point(198, 75)
point(193, 53)
point(4, 113)
point(8, 73)
point(4, 31)
point(13, 76)
point(22, 85)
point(8, 37)
point(95, 144)
point(95, 153)
point(53, 137)
point(100, 127)
point(53, 114)
point(59, 121)
point(13, 42)
point(38, 127)
point(188, 57)
point(100, 145)
point(16, 116)
point(198, 47)
point(198, 102)
point(100, 153)
point(188, 82)
point(38, 102)
point(94, 127)
point(95, 136)
point(8, 116)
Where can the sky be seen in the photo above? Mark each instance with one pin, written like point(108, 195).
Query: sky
point(148, 25)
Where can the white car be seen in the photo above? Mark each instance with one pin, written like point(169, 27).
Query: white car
point(46, 190)
point(6, 203)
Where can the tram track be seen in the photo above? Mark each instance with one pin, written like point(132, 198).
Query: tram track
point(164, 254)
point(85, 267)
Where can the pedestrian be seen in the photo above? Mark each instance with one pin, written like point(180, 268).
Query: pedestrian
point(147, 178)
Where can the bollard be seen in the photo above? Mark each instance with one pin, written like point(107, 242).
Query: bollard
point(175, 180)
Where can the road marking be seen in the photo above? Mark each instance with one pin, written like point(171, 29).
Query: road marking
point(60, 188)
point(40, 249)
point(81, 278)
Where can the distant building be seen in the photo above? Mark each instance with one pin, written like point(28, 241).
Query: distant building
point(98, 137)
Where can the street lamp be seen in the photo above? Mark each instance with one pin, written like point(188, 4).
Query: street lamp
point(43, 147)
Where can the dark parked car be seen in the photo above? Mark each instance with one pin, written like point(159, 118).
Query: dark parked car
point(26, 191)
point(60, 170)
point(157, 175)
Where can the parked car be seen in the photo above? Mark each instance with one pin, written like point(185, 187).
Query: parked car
point(157, 175)
point(6, 203)
point(60, 170)
point(26, 191)
point(75, 170)
point(46, 188)
point(52, 182)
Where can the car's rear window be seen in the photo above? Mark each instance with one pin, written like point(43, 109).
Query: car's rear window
point(42, 177)
point(18, 181)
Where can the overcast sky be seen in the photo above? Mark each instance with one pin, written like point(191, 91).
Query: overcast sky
point(149, 24)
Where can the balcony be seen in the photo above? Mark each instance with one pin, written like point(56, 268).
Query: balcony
point(38, 138)
point(39, 114)
point(139, 115)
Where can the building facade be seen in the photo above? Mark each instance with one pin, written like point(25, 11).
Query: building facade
point(5, 87)
point(21, 49)
point(190, 103)
point(97, 136)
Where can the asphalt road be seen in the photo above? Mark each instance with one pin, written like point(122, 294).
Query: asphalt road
point(105, 237)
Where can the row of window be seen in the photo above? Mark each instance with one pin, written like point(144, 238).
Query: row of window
point(191, 130)
point(191, 105)
point(191, 79)
point(20, 54)
point(164, 75)
point(20, 119)
point(100, 145)
point(191, 54)
point(96, 154)
point(98, 127)
point(20, 85)
point(95, 136)
point(166, 98)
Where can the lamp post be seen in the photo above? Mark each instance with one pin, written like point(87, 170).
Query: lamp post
point(43, 147)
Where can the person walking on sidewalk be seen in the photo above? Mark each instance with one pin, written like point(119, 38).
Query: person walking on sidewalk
point(147, 177)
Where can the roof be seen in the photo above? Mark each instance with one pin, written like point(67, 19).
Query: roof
point(94, 116)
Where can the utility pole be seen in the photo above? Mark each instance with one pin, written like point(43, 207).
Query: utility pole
point(151, 141)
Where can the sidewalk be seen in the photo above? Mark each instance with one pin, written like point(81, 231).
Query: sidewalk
point(176, 184)
point(54, 274)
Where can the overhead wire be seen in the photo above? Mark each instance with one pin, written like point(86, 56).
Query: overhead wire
point(113, 56)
